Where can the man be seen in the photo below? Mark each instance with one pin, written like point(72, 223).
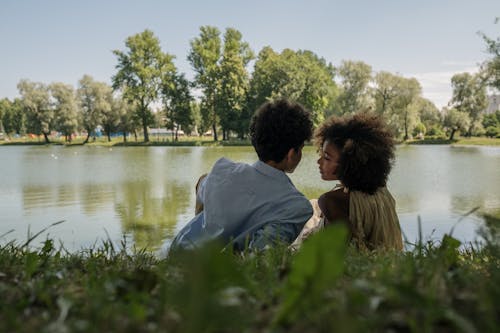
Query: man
point(255, 205)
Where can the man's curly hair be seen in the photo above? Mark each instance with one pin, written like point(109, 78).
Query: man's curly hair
point(366, 149)
point(278, 126)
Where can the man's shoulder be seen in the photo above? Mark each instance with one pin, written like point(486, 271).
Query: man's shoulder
point(224, 164)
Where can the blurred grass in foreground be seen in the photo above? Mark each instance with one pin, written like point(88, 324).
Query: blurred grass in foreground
point(326, 286)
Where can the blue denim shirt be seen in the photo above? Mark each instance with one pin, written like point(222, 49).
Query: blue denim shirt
point(246, 205)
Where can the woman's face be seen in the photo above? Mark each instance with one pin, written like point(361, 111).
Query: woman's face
point(328, 161)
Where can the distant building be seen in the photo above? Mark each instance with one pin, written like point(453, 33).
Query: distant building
point(493, 104)
point(164, 132)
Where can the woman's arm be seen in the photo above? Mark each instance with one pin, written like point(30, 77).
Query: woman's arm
point(335, 206)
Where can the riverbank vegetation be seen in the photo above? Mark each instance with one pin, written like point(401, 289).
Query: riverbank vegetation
point(148, 94)
point(207, 141)
point(326, 286)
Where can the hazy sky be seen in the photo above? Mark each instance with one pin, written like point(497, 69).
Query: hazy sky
point(60, 41)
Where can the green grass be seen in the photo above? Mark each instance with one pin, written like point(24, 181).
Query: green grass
point(462, 141)
point(478, 141)
point(208, 141)
point(327, 286)
point(118, 141)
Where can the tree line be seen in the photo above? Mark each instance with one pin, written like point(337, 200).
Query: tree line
point(227, 93)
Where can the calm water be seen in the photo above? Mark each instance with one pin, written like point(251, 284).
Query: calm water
point(146, 194)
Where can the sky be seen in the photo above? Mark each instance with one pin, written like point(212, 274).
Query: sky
point(431, 40)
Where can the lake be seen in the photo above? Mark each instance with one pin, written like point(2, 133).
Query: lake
point(144, 195)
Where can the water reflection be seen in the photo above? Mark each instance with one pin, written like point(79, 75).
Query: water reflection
point(147, 193)
point(148, 216)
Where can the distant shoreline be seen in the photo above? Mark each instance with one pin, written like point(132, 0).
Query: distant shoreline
point(203, 142)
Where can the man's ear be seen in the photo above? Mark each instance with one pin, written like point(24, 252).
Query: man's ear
point(291, 155)
point(291, 160)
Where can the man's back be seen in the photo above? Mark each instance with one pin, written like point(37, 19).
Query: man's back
point(256, 205)
point(252, 205)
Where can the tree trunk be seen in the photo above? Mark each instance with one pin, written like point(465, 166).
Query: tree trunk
point(406, 125)
point(124, 136)
point(145, 129)
point(45, 135)
point(453, 130)
point(214, 130)
point(87, 138)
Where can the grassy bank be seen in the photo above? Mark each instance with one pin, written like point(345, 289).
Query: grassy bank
point(474, 141)
point(325, 287)
point(208, 141)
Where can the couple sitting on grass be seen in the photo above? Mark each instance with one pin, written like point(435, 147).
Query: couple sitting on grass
point(257, 206)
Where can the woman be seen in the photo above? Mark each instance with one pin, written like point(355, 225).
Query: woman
point(357, 151)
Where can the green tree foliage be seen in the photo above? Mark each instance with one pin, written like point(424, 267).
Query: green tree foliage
point(405, 108)
point(428, 113)
point(13, 119)
point(300, 76)
point(204, 57)
point(398, 100)
point(35, 99)
point(112, 116)
point(491, 123)
point(140, 71)
point(456, 120)
point(354, 90)
point(177, 101)
point(234, 84)
point(5, 108)
point(201, 126)
point(94, 101)
point(469, 96)
point(127, 122)
point(419, 130)
point(491, 68)
point(385, 91)
point(65, 109)
point(492, 119)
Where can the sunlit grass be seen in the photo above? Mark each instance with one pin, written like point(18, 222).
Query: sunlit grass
point(479, 141)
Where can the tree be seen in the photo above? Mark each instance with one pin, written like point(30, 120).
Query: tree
point(140, 70)
point(385, 91)
point(234, 83)
point(469, 96)
point(201, 126)
point(36, 103)
point(13, 119)
point(111, 117)
point(301, 76)
point(404, 109)
point(127, 122)
point(204, 57)
point(177, 101)
point(94, 101)
point(491, 123)
point(354, 90)
point(492, 119)
point(456, 120)
point(65, 109)
point(491, 68)
point(427, 112)
point(5, 107)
